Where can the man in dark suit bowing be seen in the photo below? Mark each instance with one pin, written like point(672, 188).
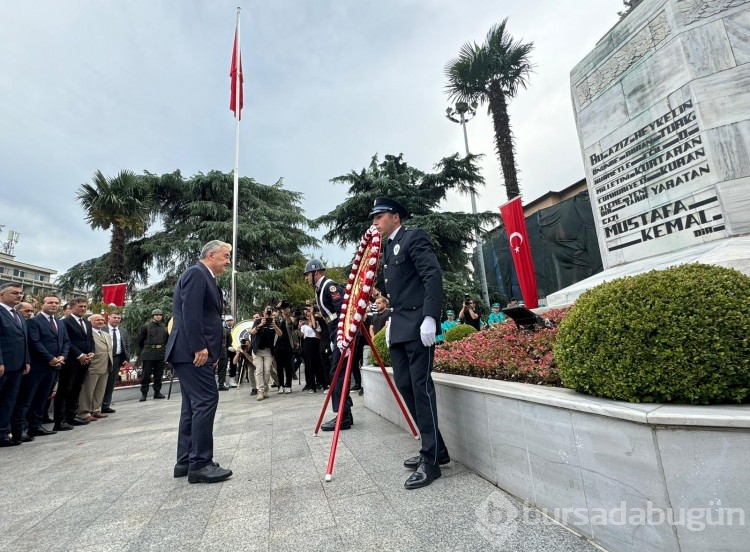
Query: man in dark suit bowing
point(14, 358)
point(48, 349)
point(414, 288)
point(194, 348)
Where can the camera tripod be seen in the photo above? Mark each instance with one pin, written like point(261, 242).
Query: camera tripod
point(348, 354)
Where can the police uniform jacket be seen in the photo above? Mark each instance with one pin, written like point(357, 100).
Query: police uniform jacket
point(329, 296)
point(413, 283)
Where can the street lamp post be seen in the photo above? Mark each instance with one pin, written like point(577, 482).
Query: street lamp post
point(466, 113)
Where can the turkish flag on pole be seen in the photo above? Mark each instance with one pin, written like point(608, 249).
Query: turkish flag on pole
point(515, 225)
point(114, 294)
point(236, 73)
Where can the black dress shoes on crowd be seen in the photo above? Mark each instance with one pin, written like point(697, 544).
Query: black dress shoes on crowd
point(78, 422)
point(346, 423)
point(423, 476)
point(143, 398)
point(413, 462)
point(40, 431)
point(159, 396)
point(5, 442)
point(63, 426)
point(211, 473)
point(47, 420)
point(108, 410)
point(23, 438)
point(181, 470)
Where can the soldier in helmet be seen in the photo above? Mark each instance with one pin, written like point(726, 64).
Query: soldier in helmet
point(151, 340)
point(329, 295)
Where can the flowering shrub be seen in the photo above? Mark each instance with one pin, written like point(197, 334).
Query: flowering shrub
point(504, 353)
point(457, 333)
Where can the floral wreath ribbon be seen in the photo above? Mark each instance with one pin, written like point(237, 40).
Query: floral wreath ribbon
point(357, 294)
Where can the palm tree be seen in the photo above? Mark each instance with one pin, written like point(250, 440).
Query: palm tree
point(122, 203)
point(493, 73)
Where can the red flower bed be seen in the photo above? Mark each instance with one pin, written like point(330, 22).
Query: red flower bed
point(504, 353)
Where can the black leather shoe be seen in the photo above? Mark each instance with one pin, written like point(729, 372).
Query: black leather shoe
point(413, 462)
point(210, 473)
point(422, 476)
point(108, 410)
point(181, 470)
point(221, 388)
point(9, 443)
point(159, 396)
point(23, 438)
point(346, 423)
point(78, 422)
point(47, 420)
point(142, 399)
point(64, 426)
point(40, 431)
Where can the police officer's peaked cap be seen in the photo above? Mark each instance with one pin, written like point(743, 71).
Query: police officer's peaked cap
point(229, 317)
point(450, 313)
point(387, 205)
point(495, 305)
point(313, 265)
point(156, 311)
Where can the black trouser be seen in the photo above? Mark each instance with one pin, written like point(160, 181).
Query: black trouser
point(284, 366)
point(68, 389)
point(112, 379)
point(325, 361)
point(313, 367)
point(155, 368)
point(358, 350)
point(221, 371)
point(412, 372)
point(232, 368)
point(32, 396)
point(338, 385)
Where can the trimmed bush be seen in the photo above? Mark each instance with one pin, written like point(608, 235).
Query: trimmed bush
point(382, 348)
point(457, 333)
point(677, 335)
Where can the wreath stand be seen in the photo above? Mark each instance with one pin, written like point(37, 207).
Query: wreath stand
point(351, 320)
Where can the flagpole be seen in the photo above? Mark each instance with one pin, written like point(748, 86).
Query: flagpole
point(236, 186)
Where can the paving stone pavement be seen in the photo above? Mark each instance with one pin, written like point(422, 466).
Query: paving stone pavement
point(108, 487)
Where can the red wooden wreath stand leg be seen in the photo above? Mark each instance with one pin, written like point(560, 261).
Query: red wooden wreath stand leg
point(348, 354)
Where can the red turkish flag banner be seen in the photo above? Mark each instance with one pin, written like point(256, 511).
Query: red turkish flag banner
point(114, 294)
point(236, 73)
point(515, 225)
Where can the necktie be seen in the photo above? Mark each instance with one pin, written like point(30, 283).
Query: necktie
point(16, 317)
point(83, 326)
point(114, 340)
point(52, 324)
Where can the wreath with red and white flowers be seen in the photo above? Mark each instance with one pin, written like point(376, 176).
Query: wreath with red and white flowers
point(358, 288)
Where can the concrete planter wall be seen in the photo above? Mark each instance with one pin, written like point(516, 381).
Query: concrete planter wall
point(608, 470)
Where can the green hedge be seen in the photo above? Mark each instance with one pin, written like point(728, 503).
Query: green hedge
point(457, 333)
point(382, 348)
point(676, 335)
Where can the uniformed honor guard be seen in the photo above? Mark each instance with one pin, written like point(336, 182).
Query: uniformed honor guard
point(152, 341)
point(329, 295)
point(414, 288)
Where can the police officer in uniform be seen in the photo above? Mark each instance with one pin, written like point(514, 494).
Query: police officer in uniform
point(329, 295)
point(152, 340)
point(414, 288)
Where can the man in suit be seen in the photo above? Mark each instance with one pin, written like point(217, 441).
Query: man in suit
point(73, 373)
point(120, 356)
point(48, 347)
point(414, 288)
point(90, 399)
point(14, 358)
point(194, 348)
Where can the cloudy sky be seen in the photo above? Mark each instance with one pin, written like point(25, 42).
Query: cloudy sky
point(89, 85)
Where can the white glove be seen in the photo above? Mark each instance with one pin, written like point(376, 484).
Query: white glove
point(388, 334)
point(427, 331)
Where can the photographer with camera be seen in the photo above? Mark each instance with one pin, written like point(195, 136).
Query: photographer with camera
point(283, 350)
point(311, 330)
point(243, 362)
point(264, 334)
point(467, 314)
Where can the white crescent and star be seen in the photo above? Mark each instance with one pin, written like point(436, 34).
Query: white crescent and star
point(518, 235)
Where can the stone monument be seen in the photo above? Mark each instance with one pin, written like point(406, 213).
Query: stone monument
point(662, 107)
